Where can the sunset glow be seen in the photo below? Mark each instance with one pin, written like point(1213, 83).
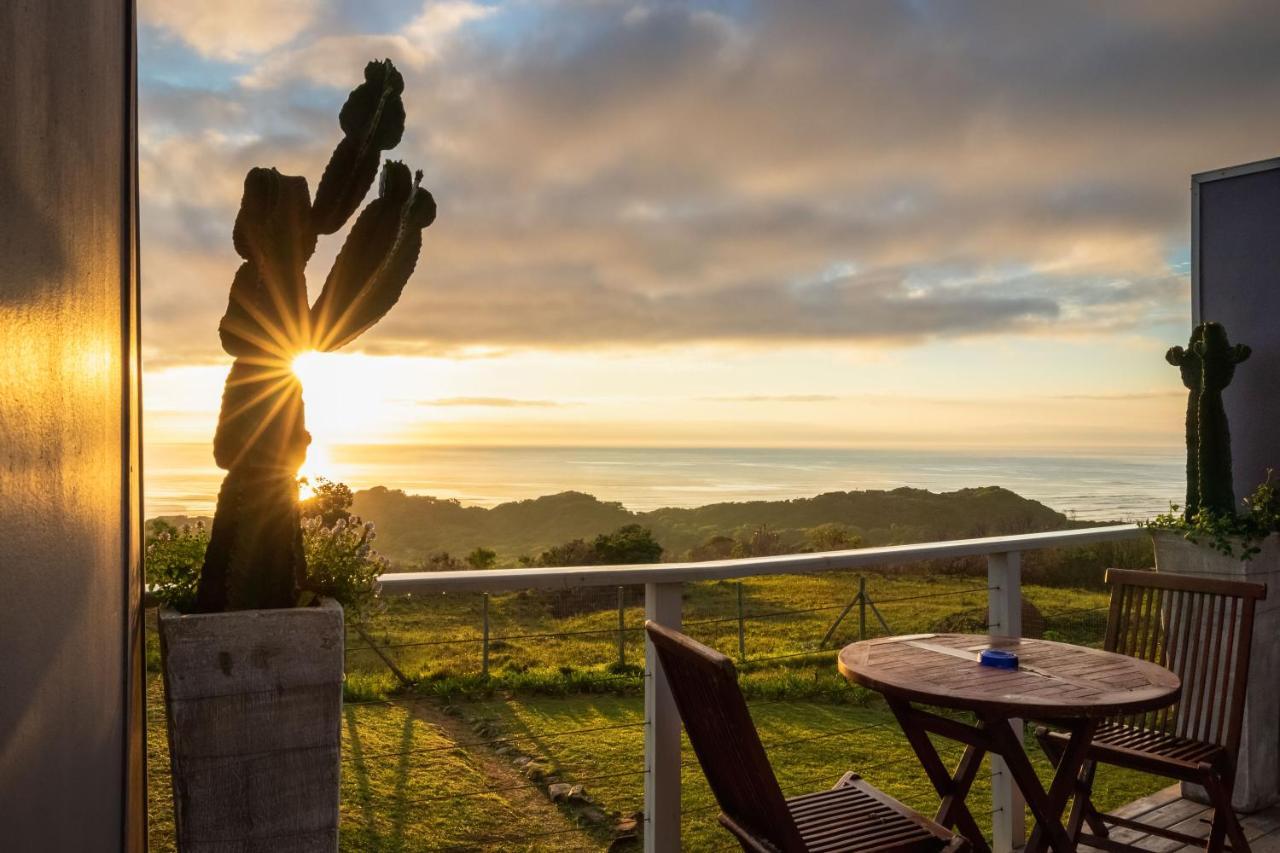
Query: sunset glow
point(785, 236)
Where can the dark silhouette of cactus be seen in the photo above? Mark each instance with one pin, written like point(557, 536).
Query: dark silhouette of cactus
point(255, 558)
point(1207, 366)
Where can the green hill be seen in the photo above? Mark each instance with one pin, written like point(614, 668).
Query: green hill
point(412, 526)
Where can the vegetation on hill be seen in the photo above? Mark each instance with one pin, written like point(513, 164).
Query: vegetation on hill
point(411, 527)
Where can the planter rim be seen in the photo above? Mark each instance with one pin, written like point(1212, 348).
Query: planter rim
point(323, 603)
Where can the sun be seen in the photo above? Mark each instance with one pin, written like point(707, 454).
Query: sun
point(350, 399)
point(332, 405)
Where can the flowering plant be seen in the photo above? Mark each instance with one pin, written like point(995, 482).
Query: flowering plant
point(173, 556)
point(342, 562)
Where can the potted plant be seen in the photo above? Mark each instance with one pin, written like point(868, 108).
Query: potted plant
point(1210, 534)
point(1213, 536)
point(253, 672)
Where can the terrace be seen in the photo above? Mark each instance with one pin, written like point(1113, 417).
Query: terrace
point(519, 709)
point(522, 710)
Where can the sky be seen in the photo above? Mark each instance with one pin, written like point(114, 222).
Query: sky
point(873, 224)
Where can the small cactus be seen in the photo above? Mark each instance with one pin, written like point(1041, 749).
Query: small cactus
point(255, 558)
point(1207, 365)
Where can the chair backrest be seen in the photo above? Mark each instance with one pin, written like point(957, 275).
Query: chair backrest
point(1201, 629)
point(704, 685)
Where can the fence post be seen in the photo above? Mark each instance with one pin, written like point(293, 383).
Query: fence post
point(484, 648)
point(662, 604)
point(862, 607)
point(1004, 607)
point(742, 629)
point(622, 628)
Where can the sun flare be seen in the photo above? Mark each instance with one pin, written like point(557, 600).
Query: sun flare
point(350, 398)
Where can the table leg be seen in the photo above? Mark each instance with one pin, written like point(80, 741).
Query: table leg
point(952, 811)
point(1047, 806)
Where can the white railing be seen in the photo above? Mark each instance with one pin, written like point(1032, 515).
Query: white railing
point(663, 596)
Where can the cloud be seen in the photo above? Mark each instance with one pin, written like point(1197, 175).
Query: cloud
point(328, 60)
point(776, 398)
point(493, 403)
point(231, 29)
point(876, 172)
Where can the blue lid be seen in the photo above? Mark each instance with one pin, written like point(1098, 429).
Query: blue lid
point(999, 658)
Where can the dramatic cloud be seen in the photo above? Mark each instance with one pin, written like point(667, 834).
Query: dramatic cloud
point(615, 174)
point(231, 29)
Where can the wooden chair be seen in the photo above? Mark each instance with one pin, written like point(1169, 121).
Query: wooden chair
point(852, 816)
point(1201, 629)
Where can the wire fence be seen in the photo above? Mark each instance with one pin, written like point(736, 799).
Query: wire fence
point(515, 720)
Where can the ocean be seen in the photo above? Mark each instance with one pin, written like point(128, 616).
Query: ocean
point(1122, 485)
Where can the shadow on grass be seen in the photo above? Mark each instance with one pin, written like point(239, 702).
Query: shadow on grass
point(371, 804)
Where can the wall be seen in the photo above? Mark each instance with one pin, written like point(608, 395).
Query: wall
point(70, 739)
point(1236, 268)
point(1236, 281)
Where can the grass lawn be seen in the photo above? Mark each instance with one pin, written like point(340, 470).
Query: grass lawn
point(809, 743)
point(547, 637)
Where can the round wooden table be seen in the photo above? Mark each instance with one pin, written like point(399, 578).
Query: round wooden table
point(1070, 686)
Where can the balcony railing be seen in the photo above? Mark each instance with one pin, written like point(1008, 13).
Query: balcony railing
point(663, 602)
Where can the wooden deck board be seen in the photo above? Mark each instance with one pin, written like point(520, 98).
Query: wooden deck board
point(1168, 808)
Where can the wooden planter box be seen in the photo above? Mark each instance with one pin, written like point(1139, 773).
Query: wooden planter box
point(254, 703)
point(1258, 776)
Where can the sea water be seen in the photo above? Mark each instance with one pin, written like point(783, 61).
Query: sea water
point(1122, 485)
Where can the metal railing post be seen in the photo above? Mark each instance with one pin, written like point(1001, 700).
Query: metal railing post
point(862, 607)
point(484, 650)
point(742, 628)
point(1004, 607)
point(622, 627)
point(662, 604)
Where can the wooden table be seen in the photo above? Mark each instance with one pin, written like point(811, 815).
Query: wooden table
point(1069, 686)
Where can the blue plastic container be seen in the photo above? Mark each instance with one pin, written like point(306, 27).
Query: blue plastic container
point(998, 658)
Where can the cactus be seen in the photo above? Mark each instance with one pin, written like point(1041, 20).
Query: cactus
point(1207, 366)
point(254, 558)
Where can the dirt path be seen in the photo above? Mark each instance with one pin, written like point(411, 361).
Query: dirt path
point(541, 825)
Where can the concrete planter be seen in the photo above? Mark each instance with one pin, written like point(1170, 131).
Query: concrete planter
point(254, 702)
point(1258, 776)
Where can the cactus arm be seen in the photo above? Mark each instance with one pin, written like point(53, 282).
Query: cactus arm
point(372, 121)
point(1176, 356)
point(250, 328)
point(376, 260)
point(267, 312)
point(1240, 352)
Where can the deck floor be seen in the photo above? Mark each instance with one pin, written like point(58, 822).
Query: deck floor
point(1168, 808)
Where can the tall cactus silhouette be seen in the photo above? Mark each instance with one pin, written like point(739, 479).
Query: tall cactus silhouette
point(1208, 365)
point(255, 557)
